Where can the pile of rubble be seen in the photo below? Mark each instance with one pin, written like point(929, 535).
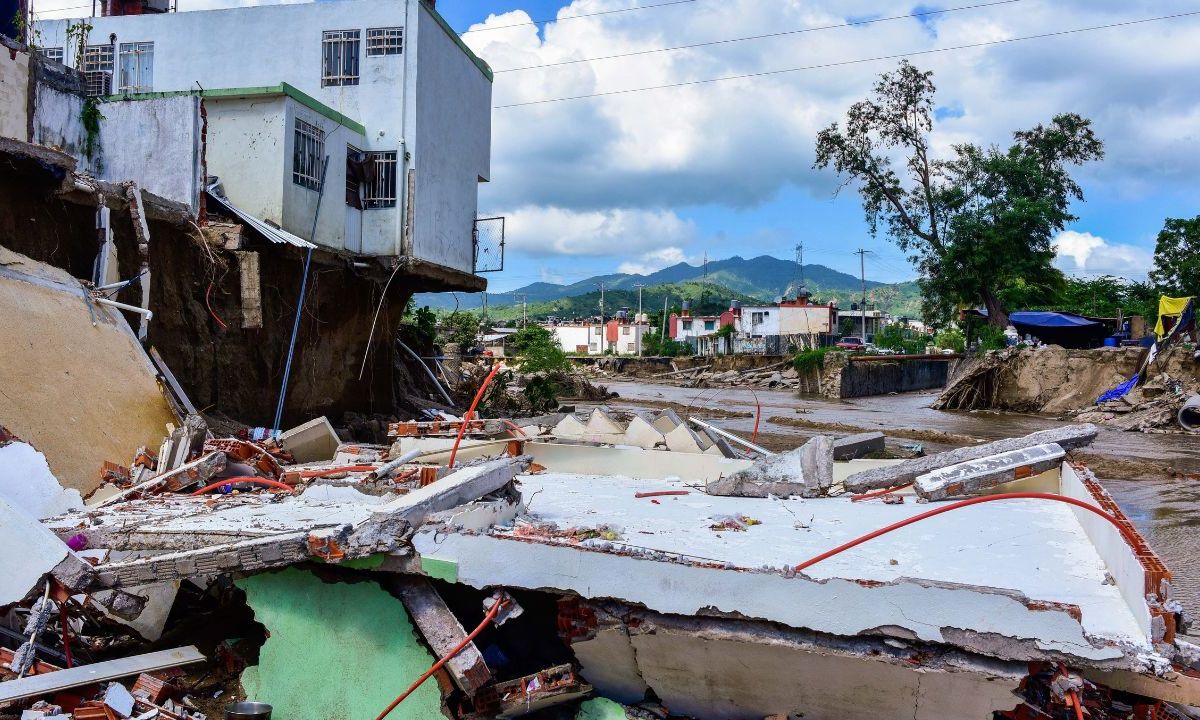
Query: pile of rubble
point(778, 375)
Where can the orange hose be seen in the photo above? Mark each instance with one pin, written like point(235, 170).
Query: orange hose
point(757, 417)
point(210, 309)
point(515, 427)
point(1125, 532)
point(462, 428)
point(879, 493)
point(1074, 695)
point(256, 480)
point(444, 659)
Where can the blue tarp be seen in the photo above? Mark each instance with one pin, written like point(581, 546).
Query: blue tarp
point(1119, 390)
point(1051, 320)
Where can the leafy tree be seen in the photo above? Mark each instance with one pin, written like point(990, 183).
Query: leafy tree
point(951, 338)
point(421, 323)
point(1177, 257)
point(539, 350)
point(463, 328)
point(974, 223)
point(655, 344)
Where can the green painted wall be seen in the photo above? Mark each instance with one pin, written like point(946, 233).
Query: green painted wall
point(601, 709)
point(336, 650)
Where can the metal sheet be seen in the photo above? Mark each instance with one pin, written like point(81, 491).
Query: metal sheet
point(36, 685)
point(274, 234)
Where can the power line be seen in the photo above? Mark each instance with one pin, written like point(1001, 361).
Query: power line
point(923, 13)
point(859, 61)
point(578, 17)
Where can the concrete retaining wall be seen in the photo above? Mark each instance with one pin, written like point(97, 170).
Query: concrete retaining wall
point(860, 379)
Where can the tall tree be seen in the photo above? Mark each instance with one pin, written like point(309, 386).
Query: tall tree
point(1177, 257)
point(974, 222)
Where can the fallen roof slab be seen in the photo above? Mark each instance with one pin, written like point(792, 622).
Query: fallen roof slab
point(1067, 437)
point(1020, 578)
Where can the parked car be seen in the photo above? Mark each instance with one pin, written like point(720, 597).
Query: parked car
point(850, 342)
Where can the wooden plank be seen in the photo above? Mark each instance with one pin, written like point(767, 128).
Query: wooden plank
point(45, 683)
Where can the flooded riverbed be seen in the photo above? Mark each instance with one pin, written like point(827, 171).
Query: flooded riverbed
point(1146, 473)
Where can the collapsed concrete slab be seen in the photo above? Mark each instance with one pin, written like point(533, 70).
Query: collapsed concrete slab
point(442, 630)
point(859, 445)
point(975, 476)
point(1067, 437)
point(806, 471)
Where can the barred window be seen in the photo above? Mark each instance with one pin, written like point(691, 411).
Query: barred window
point(380, 188)
point(339, 53)
point(137, 67)
point(54, 53)
point(385, 41)
point(97, 69)
point(307, 152)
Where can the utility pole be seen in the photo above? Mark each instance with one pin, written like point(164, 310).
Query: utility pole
point(485, 308)
point(603, 327)
point(800, 264)
point(663, 338)
point(862, 306)
point(524, 308)
point(637, 324)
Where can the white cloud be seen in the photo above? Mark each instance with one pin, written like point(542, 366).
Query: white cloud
point(654, 260)
point(594, 233)
point(737, 143)
point(1081, 253)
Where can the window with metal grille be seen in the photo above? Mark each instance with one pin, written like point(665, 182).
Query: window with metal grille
point(54, 53)
point(308, 149)
point(339, 53)
point(385, 41)
point(380, 189)
point(136, 70)
point(98, 69)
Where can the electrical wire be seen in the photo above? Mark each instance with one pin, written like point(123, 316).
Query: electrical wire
point(491, 614)
point(578, 17)
point(210, 307)
point(842, 63)
point(1125, 532)
point(765, 36)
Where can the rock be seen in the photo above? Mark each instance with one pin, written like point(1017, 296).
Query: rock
point(806, 471)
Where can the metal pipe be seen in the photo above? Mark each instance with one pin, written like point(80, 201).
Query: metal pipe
point(428, 372)
point(1189, 414)
point(386, 469)
point(123, 306)
point(730, 436)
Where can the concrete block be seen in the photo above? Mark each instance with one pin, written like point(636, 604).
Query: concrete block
point(666, 421)
point(569, 428)
point(442, 630)
point(975, 476)
point(806, 471)
point(1067, 437)
point(856, 446)
point(601, 427)
point(683, 439)
point(640, 433)
point(314, 441)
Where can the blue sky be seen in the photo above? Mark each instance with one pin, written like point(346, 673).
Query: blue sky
point(595, 186)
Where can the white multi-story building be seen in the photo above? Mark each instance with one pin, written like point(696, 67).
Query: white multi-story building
point(380, 97)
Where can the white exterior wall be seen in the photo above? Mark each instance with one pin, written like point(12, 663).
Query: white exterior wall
point(14, 94)
point(443, 120)
point(155, 143)
point(57, 120)
point(769, 325)
point(628, 344)
point(453, 147)
point(246, 150)
point(806, 320)
point(572, 337)
point(697, 328)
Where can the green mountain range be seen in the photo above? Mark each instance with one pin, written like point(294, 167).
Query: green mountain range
point(760, 279)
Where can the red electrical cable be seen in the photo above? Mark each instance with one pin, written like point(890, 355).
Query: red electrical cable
point(256, 480)
point(445, 659)
point(209, 306)
point(462, 428)
point(1125, 532)
point(879, 493)
point(757, 417)
point(515, 427)
point(66, 631)
point(1074, 695)
point(331, 471)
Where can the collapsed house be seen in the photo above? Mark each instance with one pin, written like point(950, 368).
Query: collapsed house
point(648, 561)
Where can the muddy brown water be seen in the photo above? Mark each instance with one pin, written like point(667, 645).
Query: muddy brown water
point(1148, 474)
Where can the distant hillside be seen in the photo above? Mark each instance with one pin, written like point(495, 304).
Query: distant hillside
point(764, 278)
point(705, 298)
